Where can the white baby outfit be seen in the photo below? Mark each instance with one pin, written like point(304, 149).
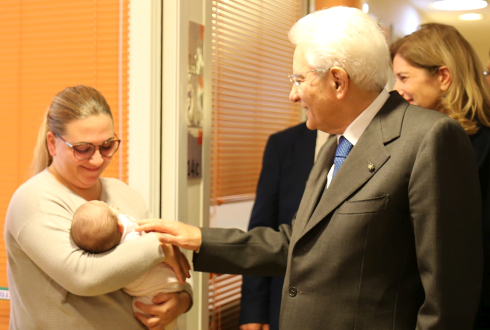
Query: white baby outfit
point(161, 278)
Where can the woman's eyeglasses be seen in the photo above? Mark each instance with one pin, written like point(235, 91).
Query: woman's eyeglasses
point(85, 150)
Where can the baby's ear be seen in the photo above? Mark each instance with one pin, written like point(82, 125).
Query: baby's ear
point(120, 226)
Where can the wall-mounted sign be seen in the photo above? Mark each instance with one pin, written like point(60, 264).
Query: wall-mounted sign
point(195, 92)
point(4, 294)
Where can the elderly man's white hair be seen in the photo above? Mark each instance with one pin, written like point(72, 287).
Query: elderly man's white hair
point(347, 38)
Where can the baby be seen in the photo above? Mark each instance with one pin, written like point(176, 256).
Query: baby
point(97, 227)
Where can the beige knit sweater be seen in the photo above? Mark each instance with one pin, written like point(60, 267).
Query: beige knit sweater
point(55, 285)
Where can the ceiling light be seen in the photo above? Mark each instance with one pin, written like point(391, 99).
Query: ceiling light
point(459, 5)
point(470, 17)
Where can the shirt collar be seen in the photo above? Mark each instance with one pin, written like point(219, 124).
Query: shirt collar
point(354, 131)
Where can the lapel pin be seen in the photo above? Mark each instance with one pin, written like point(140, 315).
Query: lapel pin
point(371, 167)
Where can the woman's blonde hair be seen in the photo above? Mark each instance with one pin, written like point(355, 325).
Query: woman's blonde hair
point(70, 104)
point(434, 45)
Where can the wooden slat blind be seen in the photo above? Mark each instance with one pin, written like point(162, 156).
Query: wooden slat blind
point(224, 301)
point(251, 59)
point(48, 45)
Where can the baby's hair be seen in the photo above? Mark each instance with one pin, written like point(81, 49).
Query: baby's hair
point(95, 228)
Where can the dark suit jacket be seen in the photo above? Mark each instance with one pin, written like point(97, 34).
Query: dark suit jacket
point(287, 162)
point(481, 149)
point(398, 247)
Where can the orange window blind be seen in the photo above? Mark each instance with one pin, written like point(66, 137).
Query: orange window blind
point(48, 45)
point(252, 57)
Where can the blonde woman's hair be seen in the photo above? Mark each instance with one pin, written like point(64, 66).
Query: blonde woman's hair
point(72, 103)
point(434, 45)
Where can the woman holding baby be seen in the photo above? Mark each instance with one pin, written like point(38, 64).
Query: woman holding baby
point(53, 284)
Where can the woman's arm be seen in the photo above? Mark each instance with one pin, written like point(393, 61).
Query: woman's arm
point(39, 220)
point(46, 240)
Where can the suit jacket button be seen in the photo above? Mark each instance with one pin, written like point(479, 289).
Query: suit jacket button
point(292, 291)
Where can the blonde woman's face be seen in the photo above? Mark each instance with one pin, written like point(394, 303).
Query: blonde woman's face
point(83, 174)
point(415, 84)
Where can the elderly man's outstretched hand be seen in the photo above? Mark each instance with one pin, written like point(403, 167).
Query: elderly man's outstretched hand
point(173, 232)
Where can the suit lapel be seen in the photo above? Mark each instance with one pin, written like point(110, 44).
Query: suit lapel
point(316, 183)
point(305, 149)
point(369, 150)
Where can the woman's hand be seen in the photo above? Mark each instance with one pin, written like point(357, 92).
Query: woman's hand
point(177, 261)
point(173, 232)
point(168, 306)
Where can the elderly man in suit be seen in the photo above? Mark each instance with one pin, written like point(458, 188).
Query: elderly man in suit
point(388, 233)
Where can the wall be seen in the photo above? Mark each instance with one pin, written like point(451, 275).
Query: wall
point(475, 32)
point(477, 38)
point(233, 215)
point(405, 18)
point(401, 16)
point(145, 101)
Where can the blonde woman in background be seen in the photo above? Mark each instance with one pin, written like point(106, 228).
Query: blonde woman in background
point(487, 71)
point(436, 68)
point(54, 284)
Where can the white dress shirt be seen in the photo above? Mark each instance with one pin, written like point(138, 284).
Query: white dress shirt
point(354, 131)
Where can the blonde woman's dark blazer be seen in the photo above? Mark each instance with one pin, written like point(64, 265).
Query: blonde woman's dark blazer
point(393, 243)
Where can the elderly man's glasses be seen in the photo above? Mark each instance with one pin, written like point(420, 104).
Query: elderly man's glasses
point(297, 78)
point(85, 150)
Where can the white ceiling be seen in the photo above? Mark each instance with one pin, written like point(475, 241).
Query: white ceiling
point(476, 32)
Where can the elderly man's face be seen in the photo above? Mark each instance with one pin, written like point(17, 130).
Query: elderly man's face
point(316, 96)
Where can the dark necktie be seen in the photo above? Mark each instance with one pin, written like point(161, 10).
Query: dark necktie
point(341, 153)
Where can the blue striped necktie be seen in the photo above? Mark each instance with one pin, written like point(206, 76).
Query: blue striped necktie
point(341, 153)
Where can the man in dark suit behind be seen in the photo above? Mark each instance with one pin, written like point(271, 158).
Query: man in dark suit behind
point(388, 232)
point(287, 162)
